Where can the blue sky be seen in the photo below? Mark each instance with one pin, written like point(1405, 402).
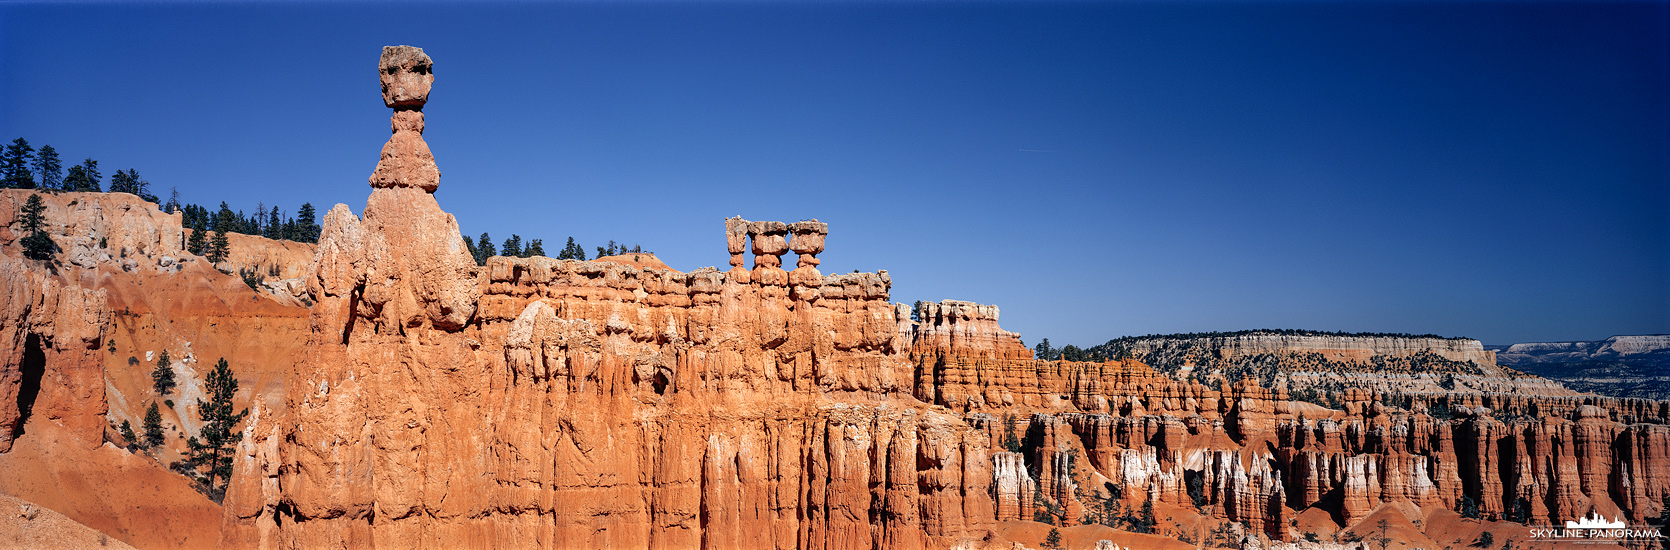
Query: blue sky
point(1498, 170)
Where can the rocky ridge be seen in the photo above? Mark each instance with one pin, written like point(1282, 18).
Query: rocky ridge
point(545, 402)
point(556, 403)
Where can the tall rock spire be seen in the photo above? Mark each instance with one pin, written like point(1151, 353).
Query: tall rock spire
point(406, 75)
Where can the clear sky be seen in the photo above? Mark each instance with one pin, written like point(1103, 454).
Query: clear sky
point(1497, 170)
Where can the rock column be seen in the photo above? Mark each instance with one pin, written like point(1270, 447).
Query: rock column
point(406, 162)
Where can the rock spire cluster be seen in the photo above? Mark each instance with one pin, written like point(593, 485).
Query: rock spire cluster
point(573, 404)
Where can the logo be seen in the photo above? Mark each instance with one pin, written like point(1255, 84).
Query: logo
point(1595, 521)
point(1595, 528)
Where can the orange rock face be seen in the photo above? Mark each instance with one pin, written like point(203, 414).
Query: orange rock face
point(51, 339)
point(557, 403)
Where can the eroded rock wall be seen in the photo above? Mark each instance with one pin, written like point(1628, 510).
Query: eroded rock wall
point(534, 402)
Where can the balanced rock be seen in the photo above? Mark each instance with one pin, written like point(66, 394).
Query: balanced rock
point(406, 160)
point(406, 75)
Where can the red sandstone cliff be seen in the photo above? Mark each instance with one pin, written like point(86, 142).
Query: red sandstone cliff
point(424, 401)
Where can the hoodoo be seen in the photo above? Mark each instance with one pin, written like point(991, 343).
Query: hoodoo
point(535, 402)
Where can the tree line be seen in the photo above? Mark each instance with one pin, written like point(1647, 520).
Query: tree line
point(512, 247)
point(24, 167)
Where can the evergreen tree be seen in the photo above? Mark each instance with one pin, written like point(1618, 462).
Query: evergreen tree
point(153, 425)
point(194, 245)
point(1145, 521)
point(1469, 508)
point(49, 168)
point(1010, 442)
point(1053, 540)
point(123, 182)
point(484, 249)
point(512, 247)
point(572, 251)
point(536, 247)
point(1383, 540)
point(218, 248)
point(173, 204)
point(162, 378)
point(36, 245)
point(1042, 351)
point(212, 449)
point(84, 177)
point(127, 433)
point(224, 219)
point(275, 227)
point(14, 165)
point(307, 226)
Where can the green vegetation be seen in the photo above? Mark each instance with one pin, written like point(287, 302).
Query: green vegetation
point(1468, 508)
point(153, 425)
point(512, 247)
point(84, 177)
point(162, 377)
point(212, 449)
point(1053, 540)
point(1010, 442)
point(128, 181)
point(14, 165)
point(482, 249)
point(36, 245)
point(304, 228)
point(218, 248)
point(572, 251)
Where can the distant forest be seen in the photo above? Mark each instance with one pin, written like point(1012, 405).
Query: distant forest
point(512, 247)
point(1120, 348)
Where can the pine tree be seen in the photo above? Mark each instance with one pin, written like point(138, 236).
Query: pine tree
point(212, 449)
point(194, 245)
point(275, 227)
point(572, 251)
point(1042, 351)
point(123, 182)
point(127, 433)
point(307, 226)
point(484, 249)
point(49, 168)
point(153, 425)
point(15, 165)
point(224, 219)
point(218, 248)
point(1053, 540)
point(1010, 442)
point(36, 245)
point(512, 247)
point(536, 247)
point(84, 177)
point(1145, 521)
point(173, 204)
point(162, 378)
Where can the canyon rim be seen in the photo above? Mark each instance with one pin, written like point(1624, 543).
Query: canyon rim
point(403, 395)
